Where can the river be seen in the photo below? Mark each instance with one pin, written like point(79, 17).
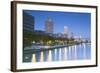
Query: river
point(75, 52)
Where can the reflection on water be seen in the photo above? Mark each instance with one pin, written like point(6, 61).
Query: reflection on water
point(76, 52)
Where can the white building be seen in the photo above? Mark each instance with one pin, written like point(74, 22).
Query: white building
point(49, 25)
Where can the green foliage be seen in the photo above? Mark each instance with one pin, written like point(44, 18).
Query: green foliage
point(44, 39)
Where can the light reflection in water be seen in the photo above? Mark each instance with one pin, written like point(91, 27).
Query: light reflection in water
point(76, 52)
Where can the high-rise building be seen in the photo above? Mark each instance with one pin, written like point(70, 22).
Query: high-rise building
point(28, 22)
point(49, 25)
point(66, 30)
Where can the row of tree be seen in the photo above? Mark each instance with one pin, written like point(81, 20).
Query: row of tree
point(44, 39)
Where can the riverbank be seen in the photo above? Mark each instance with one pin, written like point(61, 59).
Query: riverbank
point(35, 48)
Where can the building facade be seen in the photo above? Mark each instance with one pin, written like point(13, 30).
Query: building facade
point(49, 25)
point(66, 32)
point(28, 22)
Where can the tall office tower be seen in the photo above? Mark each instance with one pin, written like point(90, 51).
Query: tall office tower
point(28, 22)
point(66, 30)
point(49, 25)
point(28, 26)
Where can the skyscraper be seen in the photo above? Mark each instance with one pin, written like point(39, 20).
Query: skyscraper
point(28, 22)
point(66, 30)
point(49, 25)
point(28, 26)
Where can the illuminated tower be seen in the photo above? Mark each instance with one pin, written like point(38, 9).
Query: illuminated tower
point(49, 25)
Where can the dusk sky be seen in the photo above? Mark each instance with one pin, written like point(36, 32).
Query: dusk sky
point(78, 23)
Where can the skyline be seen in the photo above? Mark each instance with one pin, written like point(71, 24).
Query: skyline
point(77, 23)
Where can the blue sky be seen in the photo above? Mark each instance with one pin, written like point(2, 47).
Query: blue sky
point(78, 23)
